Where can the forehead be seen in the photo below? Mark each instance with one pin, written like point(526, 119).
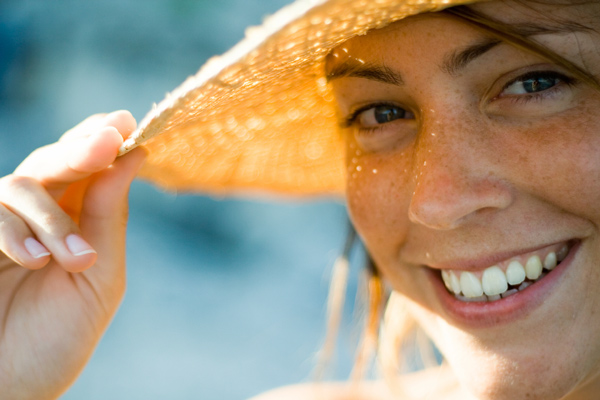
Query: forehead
point(437, 33)
point(431, 37)
point(431, 27)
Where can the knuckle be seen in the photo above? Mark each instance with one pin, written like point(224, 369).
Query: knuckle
point(10, 222)
point(13, 182)
point(52, 221)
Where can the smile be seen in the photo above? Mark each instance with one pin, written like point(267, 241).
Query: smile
point(504, 278)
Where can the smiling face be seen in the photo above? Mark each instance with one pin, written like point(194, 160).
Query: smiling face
point(476, 163)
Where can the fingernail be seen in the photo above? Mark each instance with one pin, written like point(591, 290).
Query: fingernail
point(35, 248)
point(77, 246)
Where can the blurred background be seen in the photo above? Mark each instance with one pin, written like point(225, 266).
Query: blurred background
point(225, 297)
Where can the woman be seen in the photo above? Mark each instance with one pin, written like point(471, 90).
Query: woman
point(471, 142)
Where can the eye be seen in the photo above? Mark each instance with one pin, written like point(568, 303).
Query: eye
point(371, 116)
point(534, 82)
point(381, 126)
point(534, 93)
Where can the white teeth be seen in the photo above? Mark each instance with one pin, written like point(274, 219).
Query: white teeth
point(533, 267)
point(493, 281)
point(550, 261)
point(562, 253)
point(446, 279)
point(470, 285)
point(451, 281)
point(515, 273)
point(455, 283)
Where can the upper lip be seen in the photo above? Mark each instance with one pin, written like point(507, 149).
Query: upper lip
point(483, 261)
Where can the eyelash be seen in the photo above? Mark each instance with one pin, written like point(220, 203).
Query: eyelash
point(351, 119)
point(541, 95)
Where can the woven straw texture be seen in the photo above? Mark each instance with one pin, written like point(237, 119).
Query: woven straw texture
point(261, 117)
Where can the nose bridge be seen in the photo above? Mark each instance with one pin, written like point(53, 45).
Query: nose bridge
point(453, 180)
point(441, 150)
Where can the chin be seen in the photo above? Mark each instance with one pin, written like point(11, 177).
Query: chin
point(501, 379)
point(506, 372)
point(493, 365)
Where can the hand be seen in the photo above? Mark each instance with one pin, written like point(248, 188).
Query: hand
point(63, 214)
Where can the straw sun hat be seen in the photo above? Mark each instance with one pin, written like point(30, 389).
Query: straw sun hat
point(260, 118)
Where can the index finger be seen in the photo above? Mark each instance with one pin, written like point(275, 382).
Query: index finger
point(88, 148)
point(121, 119)
point(60, 164)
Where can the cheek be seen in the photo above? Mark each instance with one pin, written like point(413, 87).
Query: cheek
point(560, 163)
point(378, 194)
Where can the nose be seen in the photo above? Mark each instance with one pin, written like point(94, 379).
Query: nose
point(455, 178)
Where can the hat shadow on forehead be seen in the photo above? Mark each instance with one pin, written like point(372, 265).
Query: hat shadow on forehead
point(260, 118)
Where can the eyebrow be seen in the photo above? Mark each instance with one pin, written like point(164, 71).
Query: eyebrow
point(380, 73)
point(452, 64)
point(458, 60)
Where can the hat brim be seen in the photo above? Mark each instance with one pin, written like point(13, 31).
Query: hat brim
point(260, 118)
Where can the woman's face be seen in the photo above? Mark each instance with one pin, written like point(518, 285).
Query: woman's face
point(470, 158)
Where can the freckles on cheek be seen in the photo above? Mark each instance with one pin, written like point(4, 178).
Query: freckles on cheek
point(563, 166)
point(378, 195)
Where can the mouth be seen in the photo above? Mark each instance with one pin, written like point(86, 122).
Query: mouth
point(506, 278)
point(506, 291)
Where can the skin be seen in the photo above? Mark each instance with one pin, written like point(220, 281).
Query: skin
point(54, 309)
point(477, 168)
point(472, 170)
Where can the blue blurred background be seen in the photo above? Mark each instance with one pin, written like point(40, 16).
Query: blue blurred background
point(225, 297)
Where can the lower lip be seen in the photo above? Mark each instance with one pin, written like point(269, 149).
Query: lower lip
point(491, 313)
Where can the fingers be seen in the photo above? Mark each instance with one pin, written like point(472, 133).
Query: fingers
point(103, 218)
point(60, 164)
point(90, 124)
point(68, 201)
point(122, 120)
point(34, 227)
point(107, 192)
point(105, 208)
point(37, 222)
point(88, 148)
point(18, 242)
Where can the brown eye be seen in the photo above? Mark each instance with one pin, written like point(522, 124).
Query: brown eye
point(382, 114)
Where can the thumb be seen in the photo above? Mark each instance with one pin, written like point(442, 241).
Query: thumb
point(103, 220)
